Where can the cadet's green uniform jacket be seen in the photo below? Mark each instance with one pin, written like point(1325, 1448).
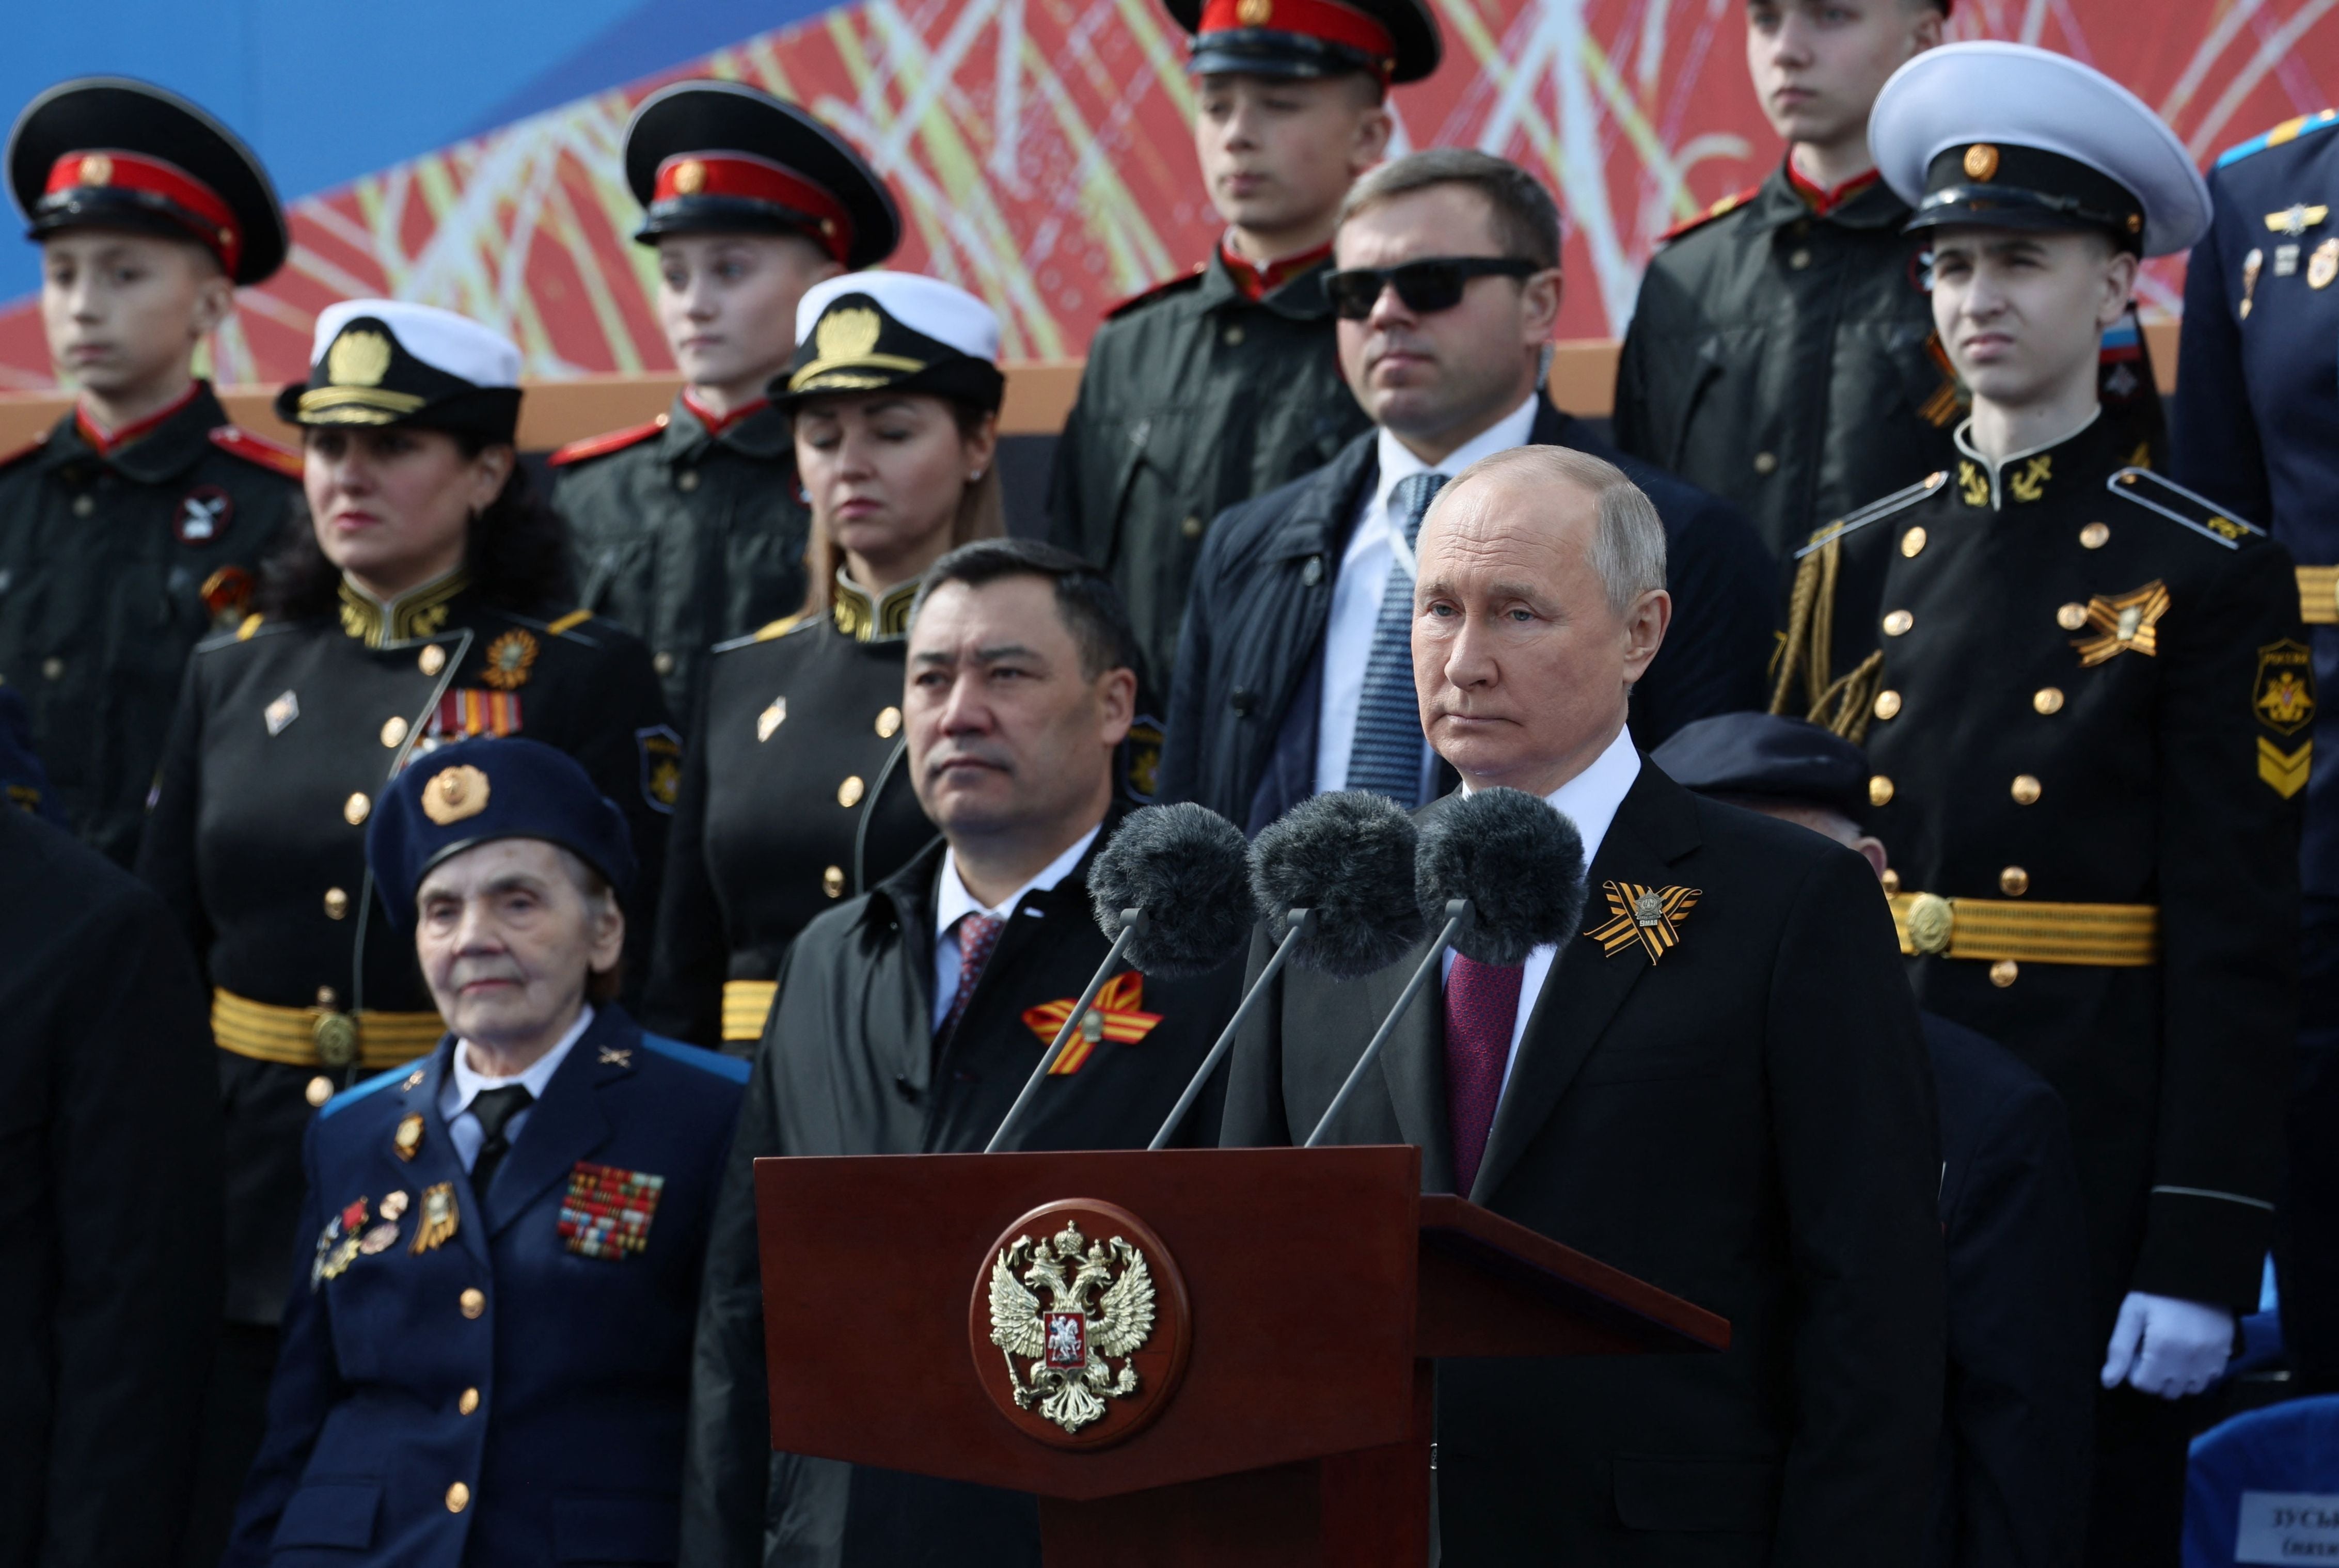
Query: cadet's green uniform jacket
point(1194, 397)
point(684, 537)
point(113, 564)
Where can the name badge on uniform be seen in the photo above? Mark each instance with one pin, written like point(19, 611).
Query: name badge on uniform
point(607, 1212)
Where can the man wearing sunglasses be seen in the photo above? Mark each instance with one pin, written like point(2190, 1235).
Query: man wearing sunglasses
point(1293, 674)
point(1223, 383)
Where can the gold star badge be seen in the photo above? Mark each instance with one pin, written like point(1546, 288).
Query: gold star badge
point(1651, 916)
point(2122, 623)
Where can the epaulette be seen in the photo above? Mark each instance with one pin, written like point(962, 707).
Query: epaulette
point(602, 445)
point(238, 442)
point(356, 1091)
point(252, 625)
point(715, 1062)
point(1854, 521)
point(1728, 204)
point(1155, 290)
point(26, 450)
point(2172, 500)
point(2288, 131)
point(568, 622)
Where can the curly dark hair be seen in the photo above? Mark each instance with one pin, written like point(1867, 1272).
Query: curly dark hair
point(517, 554)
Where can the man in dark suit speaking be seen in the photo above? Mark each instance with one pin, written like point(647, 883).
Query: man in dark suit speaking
point(1723, 1091)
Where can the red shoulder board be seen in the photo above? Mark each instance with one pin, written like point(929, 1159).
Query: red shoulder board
point(238, 442)
point(1727, 204)
point(19, 453)
point(602, 445)
point(1150, 290)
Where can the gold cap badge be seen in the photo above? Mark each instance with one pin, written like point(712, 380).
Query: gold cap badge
point(847, 334)
point(1981, 161)
point(689, 177)
point(359, 359)
point(1254, 13)
point(455, 793)
point(96, 169)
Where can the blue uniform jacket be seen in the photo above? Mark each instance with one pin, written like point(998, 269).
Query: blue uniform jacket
point(514, 1393)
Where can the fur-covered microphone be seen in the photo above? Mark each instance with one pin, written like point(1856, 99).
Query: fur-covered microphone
point(1169, 889)
point(1334, 875)
point(1506, 873)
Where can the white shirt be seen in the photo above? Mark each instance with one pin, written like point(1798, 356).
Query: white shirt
point(462, 1086)
point(1589, 800)
point(951, 901)
point(1356, 592)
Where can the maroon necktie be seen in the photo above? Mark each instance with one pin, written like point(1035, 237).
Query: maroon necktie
point(1482, 1003)
point(977, 935)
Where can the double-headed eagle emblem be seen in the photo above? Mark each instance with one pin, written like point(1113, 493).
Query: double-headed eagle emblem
point(1066, 1342)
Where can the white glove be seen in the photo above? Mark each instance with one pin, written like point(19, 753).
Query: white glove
point(2166, 1346)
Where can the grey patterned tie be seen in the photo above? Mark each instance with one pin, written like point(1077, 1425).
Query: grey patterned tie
point(1386, 757)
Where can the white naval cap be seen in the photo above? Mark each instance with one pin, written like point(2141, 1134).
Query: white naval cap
point(440, 339)
point(864, 331)
point(2008, 135)
point(387, 362)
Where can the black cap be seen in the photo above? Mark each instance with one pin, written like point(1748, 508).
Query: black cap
point(109, 153)
point(1768, 755)
point(892, 331)
point(722, 156)
point(1395, 39)
point(391, 362)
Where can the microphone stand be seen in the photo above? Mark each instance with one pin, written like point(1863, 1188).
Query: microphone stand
point(1298, 924)
point(1132, 920)
point(1458, 914)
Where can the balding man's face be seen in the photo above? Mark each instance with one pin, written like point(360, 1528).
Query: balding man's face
point(1522, 669)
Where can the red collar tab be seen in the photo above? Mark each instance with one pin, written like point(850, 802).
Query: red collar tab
point(740, 177)
point(1328, 20)
point(198, 205)
point(1823, 201)
point(105, 442)
point(717, 423)
point(1256, 281)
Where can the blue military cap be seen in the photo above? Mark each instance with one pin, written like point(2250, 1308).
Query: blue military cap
point(23, 781)
point(475, 791)
point(1766, 754)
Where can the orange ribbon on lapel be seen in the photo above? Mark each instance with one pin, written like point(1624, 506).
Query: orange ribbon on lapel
point(1114, 1017)
point(1651, 916)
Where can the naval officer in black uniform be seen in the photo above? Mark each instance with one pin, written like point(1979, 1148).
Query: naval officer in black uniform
point(2077, 683)
point(134, 526)
point(425, 606)
point(795, 797)
point(690, 529)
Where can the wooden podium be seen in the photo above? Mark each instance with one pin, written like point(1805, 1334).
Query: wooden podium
point(1282, 1401)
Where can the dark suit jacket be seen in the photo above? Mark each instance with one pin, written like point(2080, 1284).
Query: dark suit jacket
point(1243, 709)
point(1747, 1124)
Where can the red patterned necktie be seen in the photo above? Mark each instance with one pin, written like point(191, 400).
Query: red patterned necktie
point(977, 935)
point(1482, 1004)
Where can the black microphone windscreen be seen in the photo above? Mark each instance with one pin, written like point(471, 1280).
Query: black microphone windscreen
point(1518, 862)
point(1349, 856)
point(1184, 865)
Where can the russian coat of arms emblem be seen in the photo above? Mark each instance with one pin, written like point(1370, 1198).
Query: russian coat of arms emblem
point(1098, 1308)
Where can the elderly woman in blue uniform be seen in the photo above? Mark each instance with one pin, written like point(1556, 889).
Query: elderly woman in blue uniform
point(487, 1357)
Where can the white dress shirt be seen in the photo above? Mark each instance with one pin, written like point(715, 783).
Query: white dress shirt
point(951, 901)
point(462, 1086)
point(1356, 592)
point(1589, 800)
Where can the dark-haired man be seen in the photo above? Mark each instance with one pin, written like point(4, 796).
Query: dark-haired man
point(908, 1020)
point(1223, 383)
point(1292, 674)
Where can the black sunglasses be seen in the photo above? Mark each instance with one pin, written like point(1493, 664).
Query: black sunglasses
point(1426, 286)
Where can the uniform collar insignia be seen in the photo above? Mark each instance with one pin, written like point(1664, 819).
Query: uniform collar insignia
point(2025, 476)
point(418, 613)
point(1651, 916)
point(2123, 623)
point(872, 619)
point(1117, 1015)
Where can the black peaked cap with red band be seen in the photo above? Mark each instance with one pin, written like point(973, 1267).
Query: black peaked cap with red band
point(109, 153)
point(722, 156)
point(1395, 39)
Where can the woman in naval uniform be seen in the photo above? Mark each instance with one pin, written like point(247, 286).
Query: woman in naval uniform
point(426, 604)
point(793, 797)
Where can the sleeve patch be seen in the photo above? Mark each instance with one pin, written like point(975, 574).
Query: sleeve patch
point(661, 755)
point(2283, 696)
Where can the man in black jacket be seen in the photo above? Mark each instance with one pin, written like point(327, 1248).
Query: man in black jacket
point(1292, 675)
point(908, 1020)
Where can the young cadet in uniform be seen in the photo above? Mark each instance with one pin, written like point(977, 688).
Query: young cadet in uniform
point(796, 794)
point(909, 1019)
point(424, 608)
point(2257, 426)
point(1224, 384)
point(132, 528)
point(2068, 673)
point(690, 529)
point(487, 1353)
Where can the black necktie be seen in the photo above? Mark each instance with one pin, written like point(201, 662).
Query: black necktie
point(494, 1107)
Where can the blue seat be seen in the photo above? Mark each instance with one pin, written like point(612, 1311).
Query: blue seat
point(2264, 1487)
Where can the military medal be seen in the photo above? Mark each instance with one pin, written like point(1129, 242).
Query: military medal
point(2295, 219)
point(2118, 624)
point(393, 1206)
point(439, 1219)
point(204, 514)
point(338, 1248)
point(408, 1139)
point(281, 712)
point(508, 658)
point(2250, 265)
point(1650, 916)
point(380, 1238)
point(771, 718)
point(607, 1212)
point(2323, 265)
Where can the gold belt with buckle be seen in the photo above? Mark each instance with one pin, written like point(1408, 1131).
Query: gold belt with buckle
point(746, 1004)
point(319, 1036)
point(2318, 595)
point(2106, 935)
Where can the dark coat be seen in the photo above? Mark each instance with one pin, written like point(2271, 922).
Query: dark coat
point(849, 1065)
point(1747, 1124)
point(1194, 396)
point(684, 537)
point(558, 1404)
point(1242, 715)
point(110, 1218)
point(113, 567)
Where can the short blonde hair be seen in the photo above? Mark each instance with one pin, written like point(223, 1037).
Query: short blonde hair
point(1628, 541)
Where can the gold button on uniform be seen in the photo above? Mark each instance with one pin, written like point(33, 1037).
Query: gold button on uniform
point(2014, 882)
point(2026, 789)
point(432, 659)
point(1891, 879)
point(393, 732)
point(356, 808)
point(319, 1089)
point(1800, 260)
point(1766, 462)
point(1912, 542)
point(328, 997)
point(1192, 527)
point(1233, 336)
point(1888, 704)
point(472, 1302)
point(2094, 535)
point(2071, 618)
point(1898, 623)
point(53, 667)
point(336, 903)
point(832, 882)
point(84, 506)
point(687, 480)
point(888, 722)
point(1879, 790)
point(849, 793)
point(2047, 699)
point(663, 663)
point(468, 1403)
point(2004, 972)
point(459, 1497)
